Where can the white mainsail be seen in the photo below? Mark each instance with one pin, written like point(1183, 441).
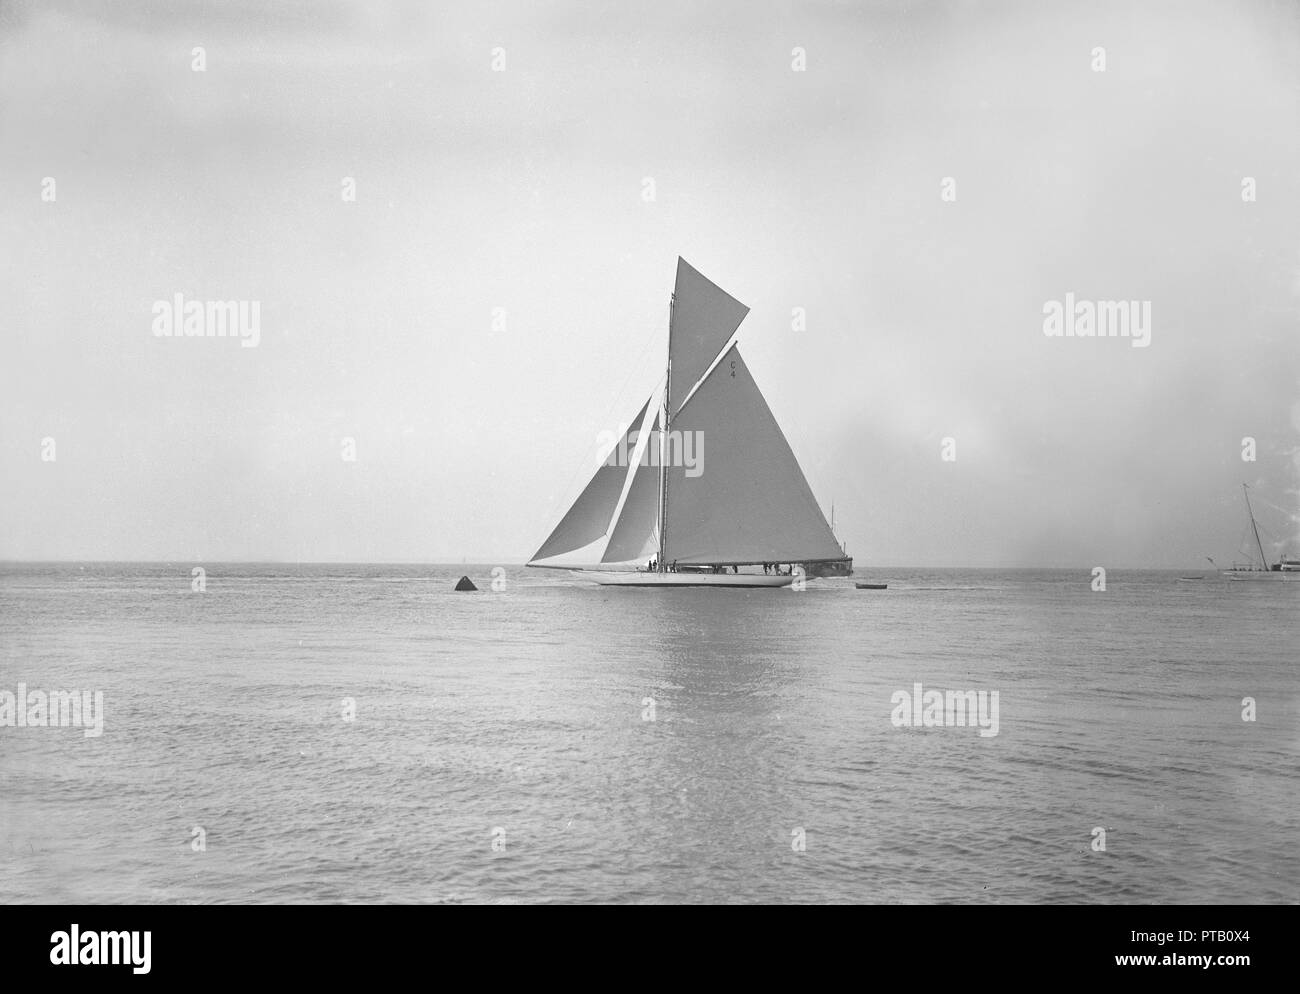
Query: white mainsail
point(750, 502)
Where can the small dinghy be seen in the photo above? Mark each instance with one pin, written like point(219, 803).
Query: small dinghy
point(872, 586)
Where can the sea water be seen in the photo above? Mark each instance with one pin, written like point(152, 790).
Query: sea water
point(348, 733)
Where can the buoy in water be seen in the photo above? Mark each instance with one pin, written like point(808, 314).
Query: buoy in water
point(465, 583)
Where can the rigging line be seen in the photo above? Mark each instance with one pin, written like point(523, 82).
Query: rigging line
point(1266, 533)
point(1246, 546)
point(568, 495)
point(1269, 503)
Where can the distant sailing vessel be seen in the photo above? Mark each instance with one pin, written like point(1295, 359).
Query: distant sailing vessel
point(1285, 569)
point(702, 490)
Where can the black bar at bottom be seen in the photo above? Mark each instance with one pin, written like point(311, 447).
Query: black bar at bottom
point(300, 943)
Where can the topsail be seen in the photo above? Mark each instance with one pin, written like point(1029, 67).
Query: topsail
point(704, 319)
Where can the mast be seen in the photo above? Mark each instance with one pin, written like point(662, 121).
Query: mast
point(663, 440)
point(1255, 528)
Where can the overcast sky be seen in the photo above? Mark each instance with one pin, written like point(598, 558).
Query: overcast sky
point(524, 190)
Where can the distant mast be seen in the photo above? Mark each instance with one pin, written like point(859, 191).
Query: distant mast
point(1263, 560)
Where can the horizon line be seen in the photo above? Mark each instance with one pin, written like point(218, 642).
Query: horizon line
point(524, 563)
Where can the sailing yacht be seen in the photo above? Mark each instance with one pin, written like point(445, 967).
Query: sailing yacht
point(1286, 569)
point(738, 514)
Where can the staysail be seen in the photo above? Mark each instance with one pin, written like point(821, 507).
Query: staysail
point(704, 319)
point(745, 500)
point(589, 517)
point(634, 537)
